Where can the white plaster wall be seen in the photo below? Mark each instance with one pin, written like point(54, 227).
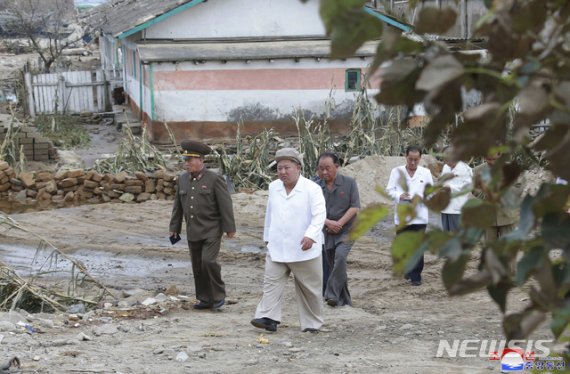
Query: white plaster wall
point(240, 18)
point(217, 105)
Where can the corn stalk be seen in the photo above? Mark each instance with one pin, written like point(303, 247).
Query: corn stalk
point(17, 291)
point(134, 154)
point(249, 166)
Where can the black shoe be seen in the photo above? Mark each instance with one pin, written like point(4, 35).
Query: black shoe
point(265, 323)
point(416, 283)
point(202, 305)
point(311, 330)
point(332, 302)
point(218, 304)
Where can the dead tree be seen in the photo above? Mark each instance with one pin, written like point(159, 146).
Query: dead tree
point(46, 27)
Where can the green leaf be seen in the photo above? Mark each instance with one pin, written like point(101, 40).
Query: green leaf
point(453, 270)
point(560, 320)
point(440, 71)
point(556, 142)
point(435, 21)
point(526, 266)
point(397, 82)
point(520, 325)
point(555, 230)
point(499, 294)
point(478, 213)
point(484, 126)
point(405, 248)
point(438, 200)
point(533, 106)
point(406, 213)
point(451, 249)
point(436, 239)
point(471, 283)
point(367, 219)
point(550, 198)
point(348, 26)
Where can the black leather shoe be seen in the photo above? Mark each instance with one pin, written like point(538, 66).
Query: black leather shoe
point(218, 304)
point(416, 283)
point(332, 302)
point(265, 323)
point(201, 305)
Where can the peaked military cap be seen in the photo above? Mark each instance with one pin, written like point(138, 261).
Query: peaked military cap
point(192, 148)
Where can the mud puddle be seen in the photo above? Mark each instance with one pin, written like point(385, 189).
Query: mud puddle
point(100, 264)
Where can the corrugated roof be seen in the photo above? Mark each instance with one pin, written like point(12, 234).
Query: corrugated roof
point(253, 50)
point(119, 16)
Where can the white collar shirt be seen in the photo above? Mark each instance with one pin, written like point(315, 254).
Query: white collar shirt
point(290, 217)
point(416, 186)
point(462, 179)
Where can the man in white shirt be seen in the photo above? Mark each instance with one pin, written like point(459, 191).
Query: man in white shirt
point(416, 179)
point(294, 221)
point(462, 179)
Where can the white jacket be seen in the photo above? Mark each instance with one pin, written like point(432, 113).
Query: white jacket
point(289, 218)
point(416, 186)
point(462, 179)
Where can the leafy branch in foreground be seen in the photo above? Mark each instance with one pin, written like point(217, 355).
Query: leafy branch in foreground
point(526, 64)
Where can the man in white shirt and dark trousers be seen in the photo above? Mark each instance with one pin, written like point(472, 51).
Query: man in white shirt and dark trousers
point(417, 177)
point(462, 179)
point(294, 221)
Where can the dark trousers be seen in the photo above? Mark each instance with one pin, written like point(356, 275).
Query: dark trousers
point(207, 271)
point(451, 222)
point(326, 271)
point(337, 282)
point(415, 275)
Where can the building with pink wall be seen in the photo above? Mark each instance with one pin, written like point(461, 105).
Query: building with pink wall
point(202, 66)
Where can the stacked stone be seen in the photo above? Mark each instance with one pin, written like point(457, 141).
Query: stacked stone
point(6, 175)
point(81, 186)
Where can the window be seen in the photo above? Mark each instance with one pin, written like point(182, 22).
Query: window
point(352, 80)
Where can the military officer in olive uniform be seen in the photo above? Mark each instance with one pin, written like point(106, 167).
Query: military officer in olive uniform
point(203, 200)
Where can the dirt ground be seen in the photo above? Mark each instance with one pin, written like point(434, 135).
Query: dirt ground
point(392, 327)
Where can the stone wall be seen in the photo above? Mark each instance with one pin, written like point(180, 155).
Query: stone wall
point(84, 186)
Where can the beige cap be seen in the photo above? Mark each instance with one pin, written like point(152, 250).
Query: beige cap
point(289, 154)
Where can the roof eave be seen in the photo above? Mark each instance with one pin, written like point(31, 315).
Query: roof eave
point(160, 18)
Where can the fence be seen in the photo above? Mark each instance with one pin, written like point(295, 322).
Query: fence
point(67, 92)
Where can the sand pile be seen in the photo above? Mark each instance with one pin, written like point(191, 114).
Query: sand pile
point(374, 171)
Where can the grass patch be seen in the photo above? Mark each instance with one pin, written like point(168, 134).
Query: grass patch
point(64, 131)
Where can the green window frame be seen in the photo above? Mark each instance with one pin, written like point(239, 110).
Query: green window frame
point(352, 79)
point(135, 64)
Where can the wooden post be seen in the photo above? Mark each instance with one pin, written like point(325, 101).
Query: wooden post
point(60, 97)
point(30, 92)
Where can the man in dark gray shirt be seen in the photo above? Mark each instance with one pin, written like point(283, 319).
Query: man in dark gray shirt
point(343, 203)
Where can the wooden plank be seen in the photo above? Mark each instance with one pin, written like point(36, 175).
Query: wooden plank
point(30, 92)
point(100, 91)
point(72, 102)
point(90, 91)
point(37, 96)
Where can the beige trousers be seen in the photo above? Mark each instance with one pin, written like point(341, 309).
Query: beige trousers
point(308, 289)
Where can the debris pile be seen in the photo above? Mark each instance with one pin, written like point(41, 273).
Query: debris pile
point(53, 279)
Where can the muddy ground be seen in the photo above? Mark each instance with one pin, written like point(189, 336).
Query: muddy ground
point(392, 327)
